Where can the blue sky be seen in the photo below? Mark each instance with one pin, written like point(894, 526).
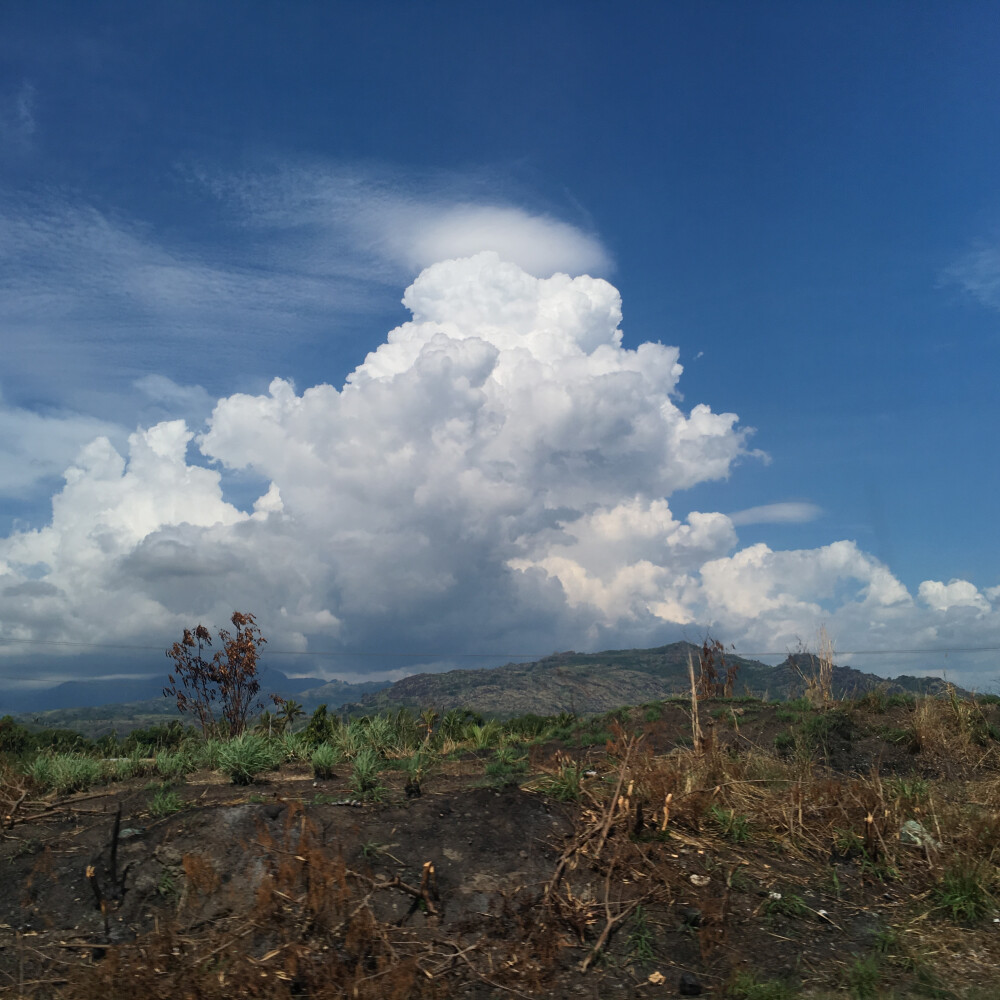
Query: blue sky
point(801, 198)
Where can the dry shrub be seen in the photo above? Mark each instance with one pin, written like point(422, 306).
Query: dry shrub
point(951, 730)
point(819, 681)
point(310, 932)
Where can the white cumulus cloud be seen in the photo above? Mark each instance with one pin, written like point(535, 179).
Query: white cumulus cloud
point(495, 475)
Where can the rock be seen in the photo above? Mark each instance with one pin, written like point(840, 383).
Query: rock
point(689, 985)
point(916, 835)
point(700, 880)
point(168, 856)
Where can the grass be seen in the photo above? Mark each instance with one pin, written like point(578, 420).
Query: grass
point(324, 759)
point(746, 986)
point(733, 826)
point(64, 773)
point(785, 904)
point(864, 977)
point(566, 784)
point(175, 766)
point(247, 757)
point(962, 891)
point(365, 775)
point(506, 767)
point(640, 937)
point(165, 802)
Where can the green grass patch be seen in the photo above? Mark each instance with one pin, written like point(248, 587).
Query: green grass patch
point(324, 759)
point(248, 756)
point(165, 801)
point(746, 986)
point(962, 892)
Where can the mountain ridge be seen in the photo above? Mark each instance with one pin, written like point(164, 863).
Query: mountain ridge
point(583, 683)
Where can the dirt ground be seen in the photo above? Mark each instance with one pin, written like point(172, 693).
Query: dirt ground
point(289, 888)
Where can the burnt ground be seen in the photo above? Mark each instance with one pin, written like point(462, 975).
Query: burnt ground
point(737, 864)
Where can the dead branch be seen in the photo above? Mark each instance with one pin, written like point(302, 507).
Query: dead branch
point(613, 804)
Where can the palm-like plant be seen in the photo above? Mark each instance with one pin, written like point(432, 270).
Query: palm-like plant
point(290, 711)
point(428, 720)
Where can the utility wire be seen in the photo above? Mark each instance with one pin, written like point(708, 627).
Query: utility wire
point(513, 656)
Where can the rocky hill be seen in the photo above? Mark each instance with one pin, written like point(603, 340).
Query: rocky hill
point(598, 682)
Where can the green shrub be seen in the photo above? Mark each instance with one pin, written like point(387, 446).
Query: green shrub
point(174, 766)
point(294, 747)
point(365, 774)
point(146, 742)
point(416, 767)
point(42, 772)
point(784, 742)
point(14, 738)
point(484, 736)
point(529, 726)
point(455, 721)
point(351, 738)
point(324, 759)
point(379, 734)
point(61, 741)
point(247, 756)
point(321, 728)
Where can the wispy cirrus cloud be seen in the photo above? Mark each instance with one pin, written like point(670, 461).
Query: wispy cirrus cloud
point(17, 118)
point(978, 274)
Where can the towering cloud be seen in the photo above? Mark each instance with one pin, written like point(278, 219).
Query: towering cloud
point(495, 475)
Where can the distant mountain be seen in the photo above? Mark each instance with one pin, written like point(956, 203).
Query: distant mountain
point(94, 693)
point(598, 682)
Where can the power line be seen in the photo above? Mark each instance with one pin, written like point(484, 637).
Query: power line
point(513, 656)
point(273, 652)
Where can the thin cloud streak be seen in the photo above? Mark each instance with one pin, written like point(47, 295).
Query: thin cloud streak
point(788, 512)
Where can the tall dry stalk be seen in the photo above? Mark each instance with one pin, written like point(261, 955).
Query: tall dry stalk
point(819, 682)
point(695, 721)
point(824, 674)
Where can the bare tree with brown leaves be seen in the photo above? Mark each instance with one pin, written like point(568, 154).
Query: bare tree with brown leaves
point(229, 677)
point(716, 675)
